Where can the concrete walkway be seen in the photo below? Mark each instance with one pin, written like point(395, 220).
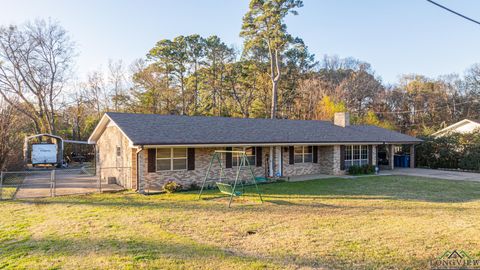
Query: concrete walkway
point(430, 173)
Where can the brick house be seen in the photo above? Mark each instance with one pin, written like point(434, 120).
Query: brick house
point(149, 149)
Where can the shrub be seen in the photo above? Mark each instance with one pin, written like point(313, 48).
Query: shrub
point(194, 186)
point(365, 169)
point(354, 170)
point(368, 169)
point(471, 158)
point(455, 151)
point(172, 186)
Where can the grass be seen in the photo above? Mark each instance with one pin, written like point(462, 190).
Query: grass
point(9, 184)
point(365, 223)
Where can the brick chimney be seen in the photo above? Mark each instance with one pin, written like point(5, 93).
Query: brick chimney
point(341, 119)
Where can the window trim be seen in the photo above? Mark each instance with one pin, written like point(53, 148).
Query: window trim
point(171, 158)
point(303, 154)
point(349, 149)
point(237, 158)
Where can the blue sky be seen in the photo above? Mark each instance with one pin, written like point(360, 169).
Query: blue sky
point(396, 37)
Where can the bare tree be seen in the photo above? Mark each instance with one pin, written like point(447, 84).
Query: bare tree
point(35, 60)
point(117, 81)
point(10, 128)
point(97, 93)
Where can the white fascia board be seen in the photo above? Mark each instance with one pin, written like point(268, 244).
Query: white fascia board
point(261, 144)
point(100, 128)
point(452, 126)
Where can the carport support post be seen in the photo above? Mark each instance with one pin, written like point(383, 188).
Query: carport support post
point(412, 156)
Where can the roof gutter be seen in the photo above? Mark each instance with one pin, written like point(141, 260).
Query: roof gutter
point(146, 146)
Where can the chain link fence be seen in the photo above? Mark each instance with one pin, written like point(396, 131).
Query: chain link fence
point(51, 183)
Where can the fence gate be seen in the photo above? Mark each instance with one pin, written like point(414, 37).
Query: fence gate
point(26, 184)
point(51, 183)
point(75, 181)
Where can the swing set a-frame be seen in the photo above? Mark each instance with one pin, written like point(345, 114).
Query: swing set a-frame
point(226, 187)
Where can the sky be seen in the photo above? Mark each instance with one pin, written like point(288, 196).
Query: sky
point(395, 37)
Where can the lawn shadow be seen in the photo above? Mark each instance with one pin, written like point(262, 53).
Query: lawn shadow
point(180, 251)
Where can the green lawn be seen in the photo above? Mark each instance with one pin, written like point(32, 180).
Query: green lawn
point(364, 223)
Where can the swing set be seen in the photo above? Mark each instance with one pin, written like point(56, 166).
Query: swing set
point(225, 187)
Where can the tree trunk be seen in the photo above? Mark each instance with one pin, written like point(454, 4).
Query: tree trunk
point(274, 64)
point(273, 112)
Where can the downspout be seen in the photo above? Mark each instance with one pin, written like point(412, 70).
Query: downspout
point(139, 149)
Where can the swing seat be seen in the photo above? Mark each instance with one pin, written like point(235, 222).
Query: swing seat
point(227, 189)
point(260, 179)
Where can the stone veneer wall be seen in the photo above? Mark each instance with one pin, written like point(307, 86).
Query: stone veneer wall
point(134, 183)
point(155, 180)
point(328, 163)
point(337, 161)
point(374, 155)
point(111, 165)
point(299, 168)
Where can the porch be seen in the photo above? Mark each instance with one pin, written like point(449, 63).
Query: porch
point(392, 156)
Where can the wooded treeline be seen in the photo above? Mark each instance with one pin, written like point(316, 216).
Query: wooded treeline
point(195, 75)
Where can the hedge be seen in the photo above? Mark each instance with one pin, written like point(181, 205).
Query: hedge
point(455, 151)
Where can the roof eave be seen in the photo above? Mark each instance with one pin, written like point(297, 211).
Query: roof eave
point(100, 128)
point(220, 144)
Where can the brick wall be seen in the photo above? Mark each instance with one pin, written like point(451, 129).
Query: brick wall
point(328, 163)
point(134, 183)
point(299, 168)
point(155, 180)
point(111, 165)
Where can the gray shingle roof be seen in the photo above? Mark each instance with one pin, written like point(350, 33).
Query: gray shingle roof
point(155, 129)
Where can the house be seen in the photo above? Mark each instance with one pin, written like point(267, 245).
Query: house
point(464, 126)
point(146, 150)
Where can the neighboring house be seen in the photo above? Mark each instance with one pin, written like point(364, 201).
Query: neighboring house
point(464, 126)
point(146, 150)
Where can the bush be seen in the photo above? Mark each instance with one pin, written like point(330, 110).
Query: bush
point(365, 169)
point(471, 158)
point(455, 151)
point(368, 169)
point(194, 186)
point(172, 186)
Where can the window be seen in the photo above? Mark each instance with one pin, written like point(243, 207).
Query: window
point(303, 154)
point(171, 159)
point(237, 157)
point(356, 155)
point(119, 151)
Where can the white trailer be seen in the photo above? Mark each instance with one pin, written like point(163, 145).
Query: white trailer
point(44, 153)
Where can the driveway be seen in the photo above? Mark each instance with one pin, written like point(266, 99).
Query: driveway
point(67, 182)
point(430, 173)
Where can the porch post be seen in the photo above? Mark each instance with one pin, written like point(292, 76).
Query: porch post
point(278, 161)
point(412, 156)
point(391, 161)
point(270, 162)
